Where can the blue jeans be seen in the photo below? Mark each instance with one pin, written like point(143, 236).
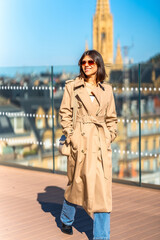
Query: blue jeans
point(101, 222)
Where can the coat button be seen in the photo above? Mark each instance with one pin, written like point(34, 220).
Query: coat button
point(82, 151)
point(83, 134)
point(99, 148)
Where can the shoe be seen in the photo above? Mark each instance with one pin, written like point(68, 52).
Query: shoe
point(67, 229)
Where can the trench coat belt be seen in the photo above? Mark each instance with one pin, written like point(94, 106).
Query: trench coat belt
point(91, 119)
point(99, 121)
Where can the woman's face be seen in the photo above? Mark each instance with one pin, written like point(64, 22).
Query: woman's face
point(89, 67)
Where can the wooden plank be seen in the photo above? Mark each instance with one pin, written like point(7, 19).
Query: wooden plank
point(31, 202)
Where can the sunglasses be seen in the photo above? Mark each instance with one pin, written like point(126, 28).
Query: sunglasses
point(90, 63)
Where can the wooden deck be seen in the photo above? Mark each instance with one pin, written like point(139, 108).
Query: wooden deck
point(30, 205)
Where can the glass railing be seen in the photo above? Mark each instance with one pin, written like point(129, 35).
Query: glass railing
point(30, 98)
point(26, 116)
point(136, 151)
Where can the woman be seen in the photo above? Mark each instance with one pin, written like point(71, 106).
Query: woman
point(90, 161)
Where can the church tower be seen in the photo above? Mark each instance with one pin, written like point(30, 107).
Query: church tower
point(103, 31)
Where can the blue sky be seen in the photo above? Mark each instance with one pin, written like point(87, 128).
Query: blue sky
point(53, 32)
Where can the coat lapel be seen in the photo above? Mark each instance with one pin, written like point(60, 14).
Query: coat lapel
point(85, 98)
point(82, 93)
point(99, 93)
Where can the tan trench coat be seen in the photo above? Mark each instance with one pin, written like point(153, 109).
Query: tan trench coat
point(89, 165)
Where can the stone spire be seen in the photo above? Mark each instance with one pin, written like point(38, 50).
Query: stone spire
point(118, 59)
point(153, 75)
point(102, 6)
point(86, 46)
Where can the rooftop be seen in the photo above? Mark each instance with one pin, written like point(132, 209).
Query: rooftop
point(31, 201)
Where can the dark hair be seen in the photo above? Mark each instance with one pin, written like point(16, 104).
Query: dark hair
point(96, 56)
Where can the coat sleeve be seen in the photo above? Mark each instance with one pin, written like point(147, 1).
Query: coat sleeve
point(66, 112)
point(111, 117)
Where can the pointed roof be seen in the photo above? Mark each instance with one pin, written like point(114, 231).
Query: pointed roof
point(103, 6)
point(86, 46)
point(118, 59)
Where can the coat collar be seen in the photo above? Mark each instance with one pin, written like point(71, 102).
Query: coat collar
point(82, 93)
point(79, 81)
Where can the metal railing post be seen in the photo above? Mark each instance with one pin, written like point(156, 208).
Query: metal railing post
point(52, 117)
point(139, 106)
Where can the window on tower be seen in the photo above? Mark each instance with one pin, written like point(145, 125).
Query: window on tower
point(103, 35)
point(103, 17)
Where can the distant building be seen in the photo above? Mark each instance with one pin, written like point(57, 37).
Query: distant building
point(129, 148)
point(16, 135)
point(128, 126)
